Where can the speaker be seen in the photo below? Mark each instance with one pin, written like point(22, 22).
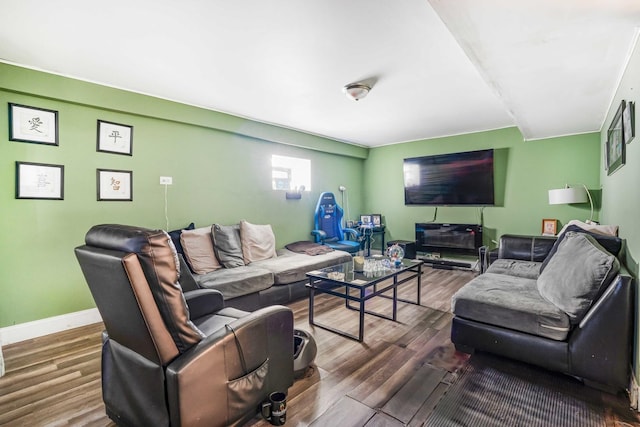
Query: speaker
point(407, 246)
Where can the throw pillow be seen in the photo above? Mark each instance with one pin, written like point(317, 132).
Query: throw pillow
point(227, 245)
point(609, 230)
point(258, 242)
point(175, 237)
point(576, 274)
point(611, 243)
point(198, 250)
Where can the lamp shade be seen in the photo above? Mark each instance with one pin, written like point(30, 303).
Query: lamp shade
point(568, 195)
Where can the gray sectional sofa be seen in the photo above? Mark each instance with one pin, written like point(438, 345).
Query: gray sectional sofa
point(276, 278)
point(566, 305)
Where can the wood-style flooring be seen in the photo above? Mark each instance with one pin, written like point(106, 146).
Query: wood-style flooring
point(394, 378)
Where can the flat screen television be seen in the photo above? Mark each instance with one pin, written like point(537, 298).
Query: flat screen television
point(450, 179)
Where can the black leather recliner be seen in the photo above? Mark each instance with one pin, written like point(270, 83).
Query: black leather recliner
point(174, 358)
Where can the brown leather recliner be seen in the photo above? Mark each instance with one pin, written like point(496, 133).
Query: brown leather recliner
point(172, 357)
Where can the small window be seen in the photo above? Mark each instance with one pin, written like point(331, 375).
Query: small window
point(290, 173)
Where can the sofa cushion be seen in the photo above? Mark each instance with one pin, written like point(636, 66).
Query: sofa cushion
point(510, 302)
point(289, 267)
point(612, 244)
point(526, 248)
point(236, 282)
point(258, 242)
point(227, 245)
point(576, 274)
point(514, 267)
point(175, 237)
point(198, 250)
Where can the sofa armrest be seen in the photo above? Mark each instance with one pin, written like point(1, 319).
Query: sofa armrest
point(202, 302)
point(487, 257)
point(214, 358)
point(319, 235)
point(525, 248)
point(187, 281)
point(600, 346)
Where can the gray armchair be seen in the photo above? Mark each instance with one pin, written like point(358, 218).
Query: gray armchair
point(174, 358)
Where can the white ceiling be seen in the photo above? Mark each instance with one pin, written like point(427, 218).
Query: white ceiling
point(438, 67)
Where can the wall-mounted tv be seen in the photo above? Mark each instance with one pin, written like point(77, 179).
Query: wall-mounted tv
point(450, 179)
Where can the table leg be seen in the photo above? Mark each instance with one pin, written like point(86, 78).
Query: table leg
point(346, 300)
point(419, 282)
point(395, 297)
point(367, 243)
point(361, 327)
point(311, 295)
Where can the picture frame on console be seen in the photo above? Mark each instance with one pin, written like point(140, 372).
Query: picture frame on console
point(376, 220)
point(616, 142)
point(549, 227)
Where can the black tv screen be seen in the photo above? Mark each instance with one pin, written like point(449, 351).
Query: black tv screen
point(450, 179)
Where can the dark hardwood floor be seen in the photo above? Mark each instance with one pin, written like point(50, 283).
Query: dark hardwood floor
point(395, 377)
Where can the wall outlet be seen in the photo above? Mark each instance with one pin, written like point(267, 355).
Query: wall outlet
point(166, 180)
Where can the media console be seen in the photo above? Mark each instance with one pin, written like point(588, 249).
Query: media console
point(443, 238)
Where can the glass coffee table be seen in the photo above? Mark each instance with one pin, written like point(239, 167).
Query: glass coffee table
point(357, 287)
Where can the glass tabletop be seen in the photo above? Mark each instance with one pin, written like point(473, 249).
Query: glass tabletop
point(375, 270)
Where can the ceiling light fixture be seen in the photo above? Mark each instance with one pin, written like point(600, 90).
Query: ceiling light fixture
point(356, 91)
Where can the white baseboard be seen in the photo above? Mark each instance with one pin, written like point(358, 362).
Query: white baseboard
point(50, 325)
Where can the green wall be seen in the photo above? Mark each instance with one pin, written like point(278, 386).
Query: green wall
point(221, 169)
point(524, 172)
point(620, 196)
point(220, 166)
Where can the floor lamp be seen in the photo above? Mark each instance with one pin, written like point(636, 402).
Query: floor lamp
point(570, 195)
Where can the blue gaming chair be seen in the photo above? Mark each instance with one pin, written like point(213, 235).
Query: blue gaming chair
point(328, 226)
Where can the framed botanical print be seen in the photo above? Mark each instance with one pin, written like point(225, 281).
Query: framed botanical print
point(629, 121)
point(616, 142)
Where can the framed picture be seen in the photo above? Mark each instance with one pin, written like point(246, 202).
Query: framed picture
point(629, 121)
point(365, 219)
point(39, 181)
point(615, 142)
point(115, 185)
point(115, 138)
point(376, 219)
point(549, 227)
point(31, 124)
